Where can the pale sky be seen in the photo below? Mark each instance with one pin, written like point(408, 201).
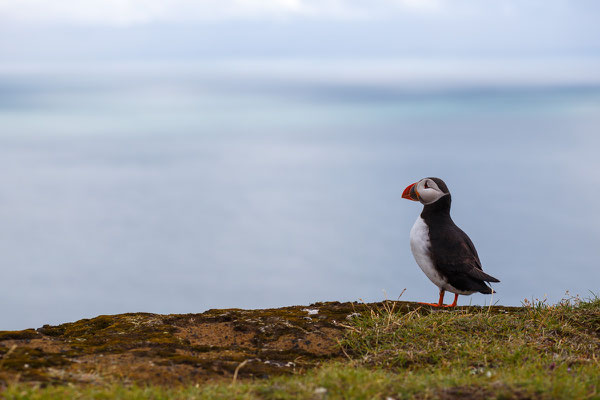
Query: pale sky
point(65, 30)
point(132, 12)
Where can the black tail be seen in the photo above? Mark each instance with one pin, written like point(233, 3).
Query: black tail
point(479, 274)
point(486, 290)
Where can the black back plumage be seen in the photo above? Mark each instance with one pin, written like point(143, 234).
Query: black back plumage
point(451, 251)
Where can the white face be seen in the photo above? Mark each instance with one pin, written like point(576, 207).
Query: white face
point(428, 191)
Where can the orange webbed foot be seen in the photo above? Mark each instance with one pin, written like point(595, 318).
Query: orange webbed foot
point(440, 302)
point(432, 304)
point(453, 303)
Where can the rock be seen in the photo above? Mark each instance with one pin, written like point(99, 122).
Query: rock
point(173, 349)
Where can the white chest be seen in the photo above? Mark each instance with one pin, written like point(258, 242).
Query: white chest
point(420, 247)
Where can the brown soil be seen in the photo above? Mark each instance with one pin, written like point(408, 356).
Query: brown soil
point(479, 393)
point(174, 349)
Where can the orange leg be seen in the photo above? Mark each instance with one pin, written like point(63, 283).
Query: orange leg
point(441, 301)
point(454, 302)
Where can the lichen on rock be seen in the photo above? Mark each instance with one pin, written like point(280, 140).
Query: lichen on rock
point(174, 349)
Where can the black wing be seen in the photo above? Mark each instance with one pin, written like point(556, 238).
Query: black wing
point(456, 258)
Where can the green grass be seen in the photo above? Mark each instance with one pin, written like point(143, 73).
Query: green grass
point(563, 334)
point(539, 352)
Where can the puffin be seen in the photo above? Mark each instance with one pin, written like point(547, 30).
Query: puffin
point(443, 251)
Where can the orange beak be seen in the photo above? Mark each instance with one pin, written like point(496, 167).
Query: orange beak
point(410, 193)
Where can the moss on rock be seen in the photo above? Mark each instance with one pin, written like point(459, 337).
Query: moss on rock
point(172, 349)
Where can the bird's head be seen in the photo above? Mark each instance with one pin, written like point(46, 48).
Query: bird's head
point(427, 190)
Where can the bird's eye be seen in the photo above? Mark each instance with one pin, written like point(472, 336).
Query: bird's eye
point(426, 185)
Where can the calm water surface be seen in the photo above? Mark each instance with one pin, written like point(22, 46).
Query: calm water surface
point(175, 193)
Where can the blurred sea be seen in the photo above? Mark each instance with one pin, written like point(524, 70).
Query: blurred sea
point(179, 188)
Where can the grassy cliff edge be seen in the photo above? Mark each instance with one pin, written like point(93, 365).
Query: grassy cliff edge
point(325, 350)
